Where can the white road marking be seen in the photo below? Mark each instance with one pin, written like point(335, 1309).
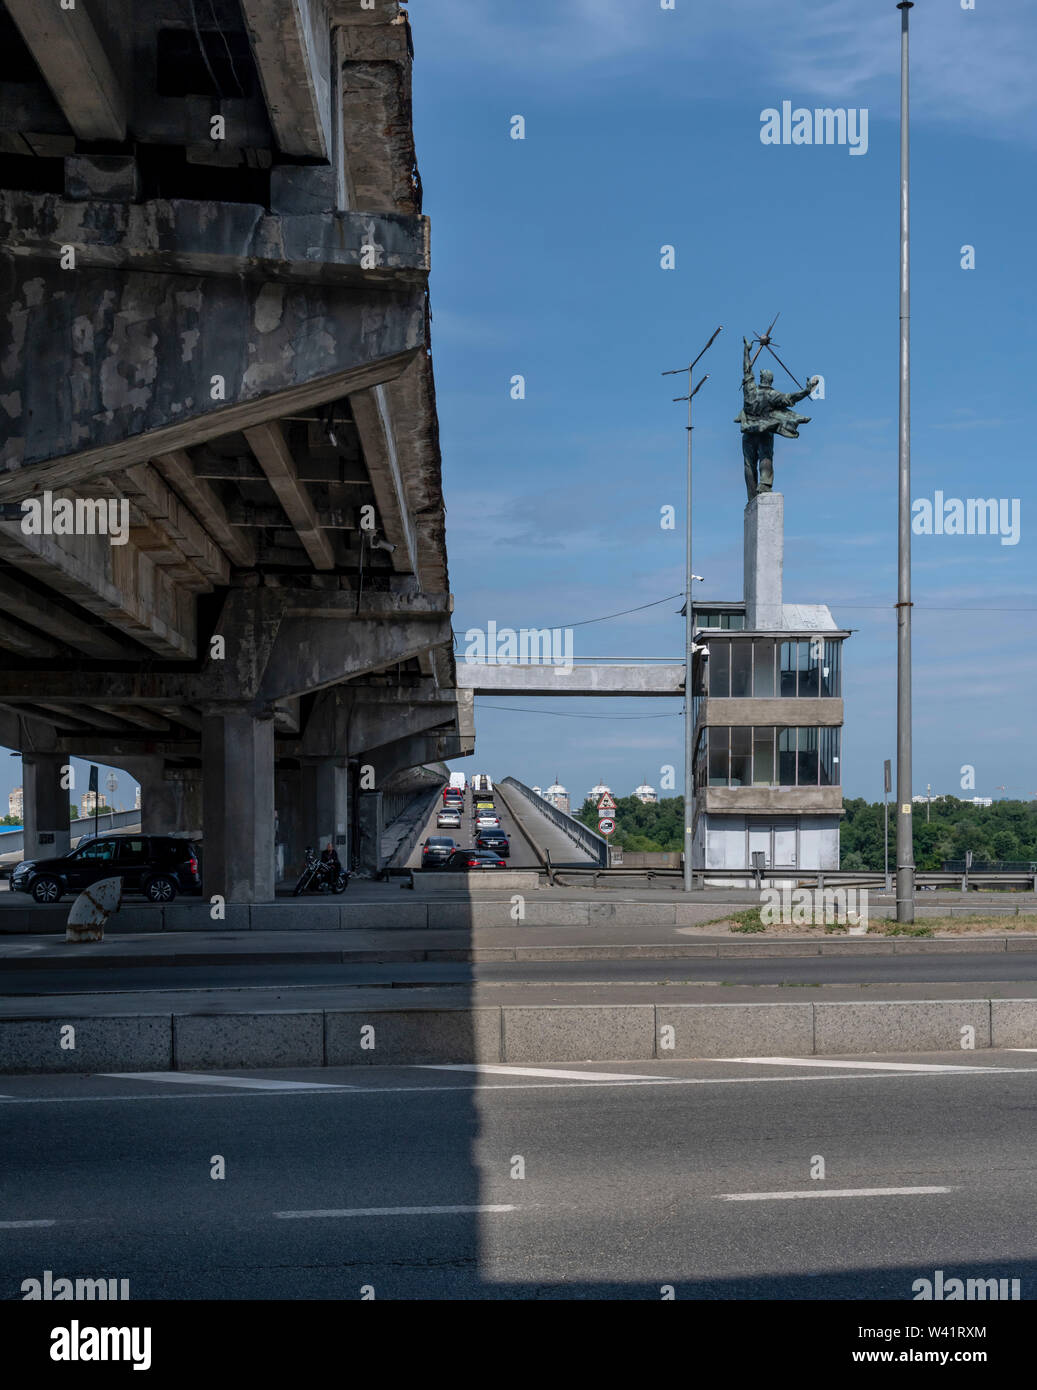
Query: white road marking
point(20, 1225)
point(359, 1091)
point(243, 1082)
point(831, 1192)
point(392, 1211)
point(863, 1066)
point(500, 1069)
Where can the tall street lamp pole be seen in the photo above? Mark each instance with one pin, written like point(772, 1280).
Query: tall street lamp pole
point(689, 626)
point(905, 846)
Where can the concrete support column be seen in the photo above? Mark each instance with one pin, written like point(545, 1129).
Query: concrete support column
point(170, 798)
point(291, 829)
point(238, 806)
point(45, 805)
point(370, 826)
point(325, 792)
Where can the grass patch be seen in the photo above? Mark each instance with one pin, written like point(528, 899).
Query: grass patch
point(902, 929)
point(747, 921)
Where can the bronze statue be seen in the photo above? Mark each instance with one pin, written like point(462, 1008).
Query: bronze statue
point(764, 414)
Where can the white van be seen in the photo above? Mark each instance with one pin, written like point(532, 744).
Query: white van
point(458, 781)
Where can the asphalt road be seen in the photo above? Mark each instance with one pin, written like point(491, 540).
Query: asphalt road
point(544, 832)
point(953, 967)
point(633, 1177)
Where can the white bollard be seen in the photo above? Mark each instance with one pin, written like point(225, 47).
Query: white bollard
point(91, 910)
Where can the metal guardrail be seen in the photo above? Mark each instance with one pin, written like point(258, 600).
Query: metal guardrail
point(589, 840)
point(823, 878)
point(107, 821)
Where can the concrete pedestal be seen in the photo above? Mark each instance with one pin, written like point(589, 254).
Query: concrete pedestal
point(45, 805)
point(764, 561)
point(238, 807)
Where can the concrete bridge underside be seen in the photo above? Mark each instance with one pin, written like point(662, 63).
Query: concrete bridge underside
point(215, 340)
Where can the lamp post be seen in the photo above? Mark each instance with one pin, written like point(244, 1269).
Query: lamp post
point(905, 846)
point(689, 625)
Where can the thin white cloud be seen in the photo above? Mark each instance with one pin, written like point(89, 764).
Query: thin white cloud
point(972, 67)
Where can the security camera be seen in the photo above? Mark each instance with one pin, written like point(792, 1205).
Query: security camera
point(379, 544)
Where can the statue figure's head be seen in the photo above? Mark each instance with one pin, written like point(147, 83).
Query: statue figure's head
point(766, 377)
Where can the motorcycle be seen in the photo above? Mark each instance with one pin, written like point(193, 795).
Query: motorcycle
point(318, 876)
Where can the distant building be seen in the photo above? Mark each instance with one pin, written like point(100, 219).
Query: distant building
point(596, 793)
point(92, 801)
point(16, 804)
point(538, 791)
point(646, 794)
point(968, 800)
point(558, 796)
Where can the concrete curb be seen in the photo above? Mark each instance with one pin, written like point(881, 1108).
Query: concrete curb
point(414, 911)
point(76, 958)
point(508, 1033)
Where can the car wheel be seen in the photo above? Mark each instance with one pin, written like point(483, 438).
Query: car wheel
point(160, 889)
point(46, 890)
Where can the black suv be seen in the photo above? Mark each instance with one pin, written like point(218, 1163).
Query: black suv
point(159, 866)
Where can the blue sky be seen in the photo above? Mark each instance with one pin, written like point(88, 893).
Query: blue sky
point(643, 129)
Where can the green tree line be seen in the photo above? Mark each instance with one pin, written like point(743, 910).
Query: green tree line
point(1005, 832)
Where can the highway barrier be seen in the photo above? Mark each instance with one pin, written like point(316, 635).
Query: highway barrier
point(162, 1040)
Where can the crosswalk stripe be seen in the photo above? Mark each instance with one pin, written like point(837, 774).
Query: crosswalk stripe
point(496, 1069)
point(391, 1211)
point(832, 1192)
point(245, 1083)
point(863, 1066)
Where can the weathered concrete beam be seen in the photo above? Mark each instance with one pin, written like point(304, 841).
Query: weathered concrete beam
point(155, 499)
point(178, 237)
point(310, 655)
point(291, 43)
point(378, 440)
point(117, 582)
point(75, 66)
point(177, 469)
point(31, 608)
point(143, 718)
point(31, 644)
point(268, 444)
point(196, 359)
point(275, 645)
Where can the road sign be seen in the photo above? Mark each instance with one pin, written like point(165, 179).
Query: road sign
point(606, 826)
point(606, 804)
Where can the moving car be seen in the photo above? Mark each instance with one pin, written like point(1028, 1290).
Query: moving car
point(436, 851)
point(487, 820)
point(494, 840)
point(159, 866)
point(448, 819)
point(466, 860)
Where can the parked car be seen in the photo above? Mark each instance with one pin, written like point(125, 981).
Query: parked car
point(448, 820)
point(466, 860)
point(159, 866)
point(436, 851)
point(494, 840)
